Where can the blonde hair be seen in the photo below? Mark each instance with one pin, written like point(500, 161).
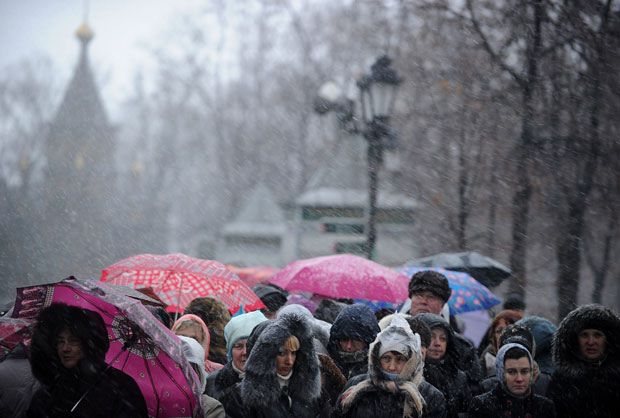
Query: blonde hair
point(189, 324)
point(291, 343)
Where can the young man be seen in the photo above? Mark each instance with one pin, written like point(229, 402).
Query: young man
point(512, 396)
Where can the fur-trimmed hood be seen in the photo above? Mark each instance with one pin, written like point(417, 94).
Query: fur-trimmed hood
point(260, 386)
point(566, 343)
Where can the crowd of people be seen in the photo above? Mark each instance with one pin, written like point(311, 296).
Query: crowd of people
point(339, 360)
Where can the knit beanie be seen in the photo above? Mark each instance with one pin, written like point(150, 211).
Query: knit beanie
point(240, 327)
point(274, 297)
point(519, 334)
point(432, 281)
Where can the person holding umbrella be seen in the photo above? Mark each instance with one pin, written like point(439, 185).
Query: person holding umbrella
point(68, 351)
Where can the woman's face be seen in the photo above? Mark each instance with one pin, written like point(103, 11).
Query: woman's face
point(69, 349)
point(239, 354)
point(592, 343)
point(285, 360)
point(439, 344)
point(393, 362)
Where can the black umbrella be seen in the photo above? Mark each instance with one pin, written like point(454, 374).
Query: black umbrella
point(486, 270)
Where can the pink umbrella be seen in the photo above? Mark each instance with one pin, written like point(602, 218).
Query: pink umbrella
point(140, 345)
point(178, 279)
point(344, 276)
point(12, 332)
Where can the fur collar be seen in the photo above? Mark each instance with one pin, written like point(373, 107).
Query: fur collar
point(260, 386)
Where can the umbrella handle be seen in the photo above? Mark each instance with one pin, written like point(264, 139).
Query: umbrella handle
point(128, 343)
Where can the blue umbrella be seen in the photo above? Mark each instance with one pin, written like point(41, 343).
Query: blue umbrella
point(468, 294)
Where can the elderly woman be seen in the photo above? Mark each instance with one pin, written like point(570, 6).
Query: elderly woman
point(586, 351)
point(68, 351)
point(282, 374)
point(192, 326)
point(394, 386)
point(236, 333)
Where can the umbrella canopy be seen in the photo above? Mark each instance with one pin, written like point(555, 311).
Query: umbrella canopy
point(253, 275)
point(178, 279)
point(152, 355)
point(468, 294)
point(343, 276)
point(486, 270)
point(12, 332)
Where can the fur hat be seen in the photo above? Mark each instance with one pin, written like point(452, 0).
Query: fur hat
point(260, 387)
point(432, 281)
point(241, 327)
point(86, 325)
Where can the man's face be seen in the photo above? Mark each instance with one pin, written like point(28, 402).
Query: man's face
point(592, 343)
point(518, 375)
point(239, 354)
point(425, 302)
point(351, 346)
point(439, 344)
point(69, 349)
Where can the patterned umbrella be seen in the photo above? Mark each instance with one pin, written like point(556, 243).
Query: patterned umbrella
point(153, 358)
point(12, 332)
point(467, 293)
point(178, 279)
point(486, 270)
point(343, 276)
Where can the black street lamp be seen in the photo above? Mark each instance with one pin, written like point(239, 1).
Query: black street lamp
point(377, 95)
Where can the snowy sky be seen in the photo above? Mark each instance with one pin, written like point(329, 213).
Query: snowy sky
point(124, 32)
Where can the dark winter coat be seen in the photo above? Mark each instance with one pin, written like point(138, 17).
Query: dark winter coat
point(259, 393)
point(578, 387)
point(17, 384)
point(221, 380)
point(499, 403)
point(380, 400)
point(356, 322)
point(445, 374)
point(112, 393)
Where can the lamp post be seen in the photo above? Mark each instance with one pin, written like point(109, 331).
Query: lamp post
point(377, 94)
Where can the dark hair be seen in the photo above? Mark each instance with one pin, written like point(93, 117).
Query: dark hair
point(514, 302)
point(516, 353)
point(419, 327)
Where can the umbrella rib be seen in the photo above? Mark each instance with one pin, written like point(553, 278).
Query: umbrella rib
point(148, 372)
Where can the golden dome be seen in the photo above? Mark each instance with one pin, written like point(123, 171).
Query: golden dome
point(84, 33)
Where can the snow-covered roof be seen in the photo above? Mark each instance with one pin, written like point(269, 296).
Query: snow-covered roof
point(334, 197)
point(342, 181)
point(260, 215)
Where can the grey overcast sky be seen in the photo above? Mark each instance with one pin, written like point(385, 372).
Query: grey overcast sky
point(123, 31)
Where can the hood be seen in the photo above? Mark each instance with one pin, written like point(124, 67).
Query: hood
point(206, 342)
point(86, 325)
point(499, 362)
point(260, 386)
point(356, 322)
point(566, 345)
point(194, 353)
point(320, 329)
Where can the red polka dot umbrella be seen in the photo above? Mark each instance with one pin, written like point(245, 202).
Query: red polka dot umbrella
point(177, 279)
